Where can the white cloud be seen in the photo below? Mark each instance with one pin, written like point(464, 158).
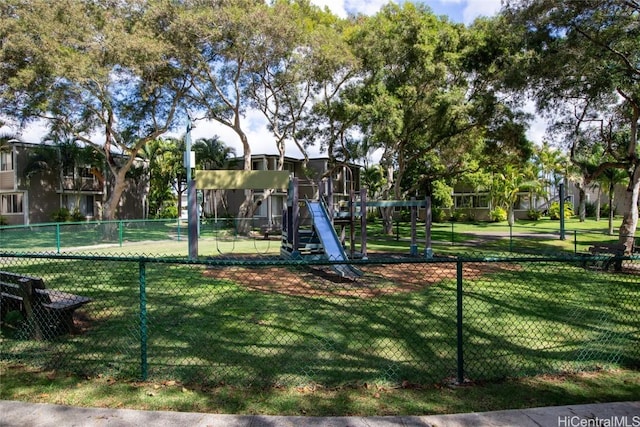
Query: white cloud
point(336, 6)
point(475, 8)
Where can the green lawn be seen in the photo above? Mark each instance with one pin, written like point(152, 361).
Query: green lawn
point(258, 337)
point(136, 237)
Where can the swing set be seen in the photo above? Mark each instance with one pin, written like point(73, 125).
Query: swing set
point(240, 180)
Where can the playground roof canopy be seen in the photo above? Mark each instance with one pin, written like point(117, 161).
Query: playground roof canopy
point(241, 179)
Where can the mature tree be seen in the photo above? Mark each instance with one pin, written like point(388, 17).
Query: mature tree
point(92, 70)
point(430, 97)
point(246, 54)
point(584, 67)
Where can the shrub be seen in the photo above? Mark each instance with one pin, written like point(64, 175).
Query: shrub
point(439, 215)
point(76, 216)
point(534, 214)
point(3, 220)
point(168, 212)
point(554, 211)
point(405, 215)
point(458, 216)
point(604, 210)
point(590, 209)
point(61, 215)
point(372, 216)
point(498, 215)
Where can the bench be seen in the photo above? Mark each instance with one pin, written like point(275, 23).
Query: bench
point(616, 250)
point(47, 312)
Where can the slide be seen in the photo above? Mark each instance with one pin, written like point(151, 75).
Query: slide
point(330, 242)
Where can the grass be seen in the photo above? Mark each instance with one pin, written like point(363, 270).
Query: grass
point(134, 237)
point(224, 344)
point(20, 382)
point(256, 324)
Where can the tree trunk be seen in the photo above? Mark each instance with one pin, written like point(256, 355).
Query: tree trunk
point(245, 211)
point(582, 207)
point(598, 203)
point(611, 211)
point(630, 218)
point(511, 216)
point(387, 220)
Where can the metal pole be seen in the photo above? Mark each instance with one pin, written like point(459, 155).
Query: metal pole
point(58, 237)
point(144, 368)
point(363, 222)
point(192, 208)
point(413, 249)
point(510, 238)
point(562, 231)
point(460, 341)
point(428, 251)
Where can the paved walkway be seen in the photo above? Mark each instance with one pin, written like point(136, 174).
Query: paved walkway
point(19, 414)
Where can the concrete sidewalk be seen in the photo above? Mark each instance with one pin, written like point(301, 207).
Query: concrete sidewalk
point(621, 414)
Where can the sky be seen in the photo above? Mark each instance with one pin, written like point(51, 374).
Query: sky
point(262, 142)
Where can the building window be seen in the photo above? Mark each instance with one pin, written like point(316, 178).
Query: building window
point(471, 201)
point(482, 201)
point(6, 161)
point(288, 166)
point(84, 203)
point(261, 211)
point(11, 203)
point(523, 202)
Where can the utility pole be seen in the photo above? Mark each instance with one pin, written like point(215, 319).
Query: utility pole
point(192, 206)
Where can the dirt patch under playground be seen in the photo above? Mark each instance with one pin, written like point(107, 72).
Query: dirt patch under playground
point(378, 279)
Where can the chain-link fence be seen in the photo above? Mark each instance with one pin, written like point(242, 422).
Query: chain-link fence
point(221, 236)
point(269, 321)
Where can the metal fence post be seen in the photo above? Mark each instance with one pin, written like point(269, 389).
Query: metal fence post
point(575, 241)
point(510, 238)
point(58, 238)
point(460, 367)
point(120, 233)
point(143, 321)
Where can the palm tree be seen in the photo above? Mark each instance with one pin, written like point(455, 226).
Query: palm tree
point(211, 154)
point(551, 163)
point(509, 183)
point(609, 179)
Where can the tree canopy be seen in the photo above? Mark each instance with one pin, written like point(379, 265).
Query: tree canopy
point(439, 100)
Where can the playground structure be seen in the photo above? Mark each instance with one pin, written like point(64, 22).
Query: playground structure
point(320, 240)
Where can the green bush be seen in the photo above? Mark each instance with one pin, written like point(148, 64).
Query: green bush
point(459, 215)
point(534, 214)
point(3, 220)
point(405, 215)
point(168, 212)
point(590, 209)
point(498, 215)
point(554, 211)
point(604, 210)
point(372, 216)
point(61, 215)
point(439, 215)
point(76, 216)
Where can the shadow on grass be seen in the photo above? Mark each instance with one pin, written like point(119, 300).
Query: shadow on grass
point(519, 319)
